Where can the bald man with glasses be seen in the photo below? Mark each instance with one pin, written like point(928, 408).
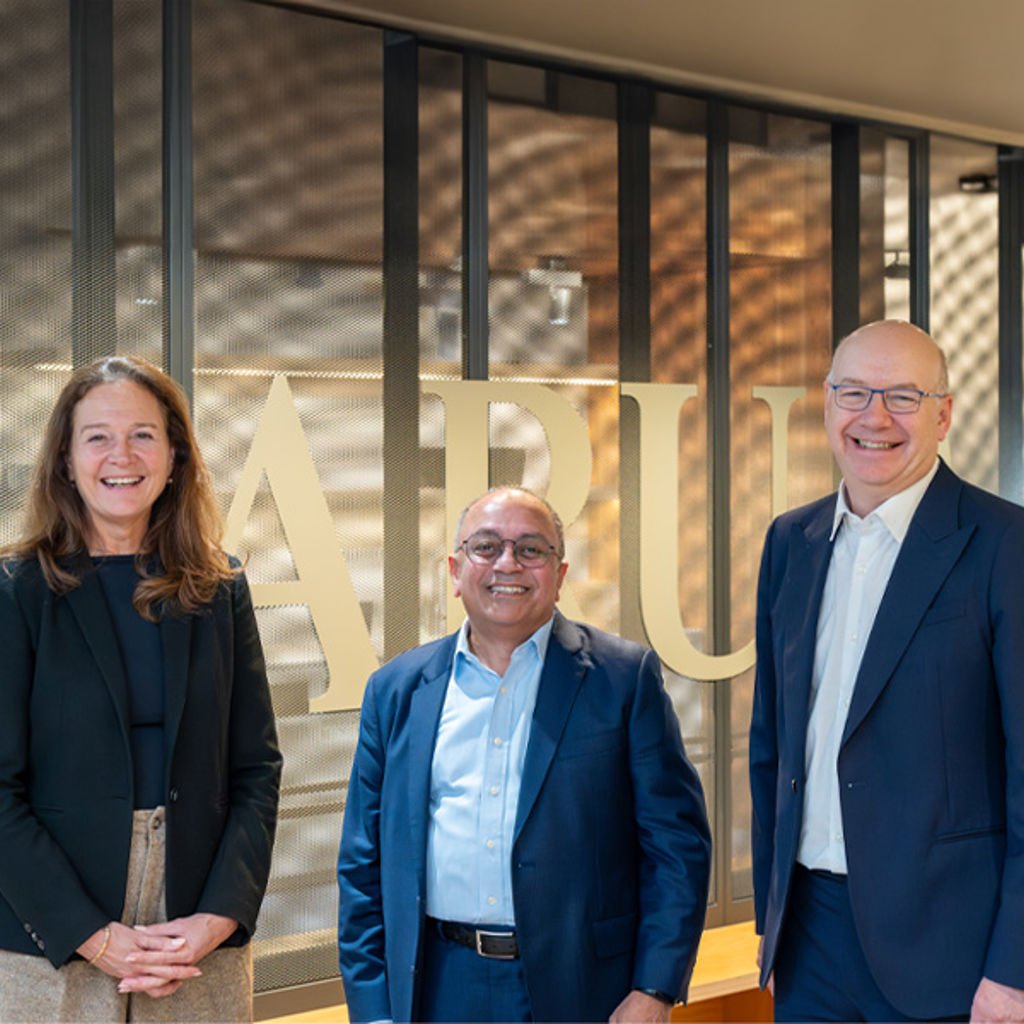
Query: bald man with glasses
point(887, 741)
point(524, 837)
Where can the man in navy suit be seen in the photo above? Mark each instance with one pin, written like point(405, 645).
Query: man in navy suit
point(524, 837)
point(887, 742)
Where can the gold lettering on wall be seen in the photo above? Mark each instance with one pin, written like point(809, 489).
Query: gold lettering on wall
point(660, 405)
point(279, 449)
point(780, 400)
point(467, 438)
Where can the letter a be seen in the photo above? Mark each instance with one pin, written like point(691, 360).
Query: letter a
point(279, 448)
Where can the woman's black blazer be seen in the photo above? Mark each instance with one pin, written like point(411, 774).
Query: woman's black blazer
point(65, 764)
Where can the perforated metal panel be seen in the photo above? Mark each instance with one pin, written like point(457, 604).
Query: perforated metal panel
point(35, 237)
point(964, 251)
point(288, 281)
point(780, 336)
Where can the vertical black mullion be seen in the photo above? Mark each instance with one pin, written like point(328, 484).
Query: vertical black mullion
point(846, 314)
point(474, 218)
point(93, 260)
point(920, 199)
point(634, 132)
point(401, 400)
point(1011, 323)
point(178, 234)
point(718, 402)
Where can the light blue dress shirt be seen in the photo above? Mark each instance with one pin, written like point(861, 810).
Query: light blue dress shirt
point(474, 782)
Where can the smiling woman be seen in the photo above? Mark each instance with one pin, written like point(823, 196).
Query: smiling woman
point(135, 832)
point(120, 461)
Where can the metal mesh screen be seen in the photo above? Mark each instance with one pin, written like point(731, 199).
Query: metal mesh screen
point(780, 337)
point(679, 356)
point(138, 178)
point(288, 221)
point(35, 236)
point(291, 351)
point(964, 251)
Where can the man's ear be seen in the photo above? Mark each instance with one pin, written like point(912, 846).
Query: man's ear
point(945, 416)
point(453, 572)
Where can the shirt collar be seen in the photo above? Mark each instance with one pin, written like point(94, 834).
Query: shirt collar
point(895, 513)
point(538, 640)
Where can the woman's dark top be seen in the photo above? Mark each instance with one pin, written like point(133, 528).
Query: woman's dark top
point(142, 654)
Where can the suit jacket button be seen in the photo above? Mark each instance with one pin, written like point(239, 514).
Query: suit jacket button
point(28, 927)
point(792, 782)
point(173, 796)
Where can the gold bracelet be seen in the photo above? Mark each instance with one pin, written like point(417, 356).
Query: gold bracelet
point(103, 948)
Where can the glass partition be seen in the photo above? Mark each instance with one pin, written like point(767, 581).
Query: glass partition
point(300, 343)
point(884, 226)
point(779, 353)
point(288, 401)
point(35, 240)
point(964, 250)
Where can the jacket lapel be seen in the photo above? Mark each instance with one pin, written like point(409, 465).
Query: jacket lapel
point(565, 666)
point(176, 643)
point(88, 604)
point(424, 713)
point(931, 548)
point(799, 602)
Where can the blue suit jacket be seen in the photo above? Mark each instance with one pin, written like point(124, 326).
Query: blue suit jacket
point(610, 858)
point(931, 766)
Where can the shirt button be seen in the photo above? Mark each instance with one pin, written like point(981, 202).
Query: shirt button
point(491, 900)
point(493, 791)
point(504, 689)
point(853, 638)
point(490, 844)
point(497, 741)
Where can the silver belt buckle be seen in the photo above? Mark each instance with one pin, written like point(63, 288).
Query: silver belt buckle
point(494, 935)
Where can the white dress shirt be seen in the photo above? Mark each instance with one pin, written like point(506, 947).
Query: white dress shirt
point(474, 782)
point(864, 552)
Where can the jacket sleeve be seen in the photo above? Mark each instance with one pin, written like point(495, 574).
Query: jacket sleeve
point(361, 951)
point(764, 758)
point(37, 880)
point(674, 837)
point(1003, 962)
point(238, 877)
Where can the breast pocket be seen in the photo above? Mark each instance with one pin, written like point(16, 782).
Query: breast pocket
point(944, 612)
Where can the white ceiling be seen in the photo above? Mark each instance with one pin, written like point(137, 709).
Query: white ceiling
point(955, 67)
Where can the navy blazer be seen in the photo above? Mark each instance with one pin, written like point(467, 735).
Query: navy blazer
point(931, 766)
point(610, 858)
point(66, 780)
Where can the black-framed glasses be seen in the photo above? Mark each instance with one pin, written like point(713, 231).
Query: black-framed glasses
point(531, 550)
point(899, 401)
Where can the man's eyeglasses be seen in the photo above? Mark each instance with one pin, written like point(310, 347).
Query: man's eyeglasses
point(899, 401)
point(531, 551)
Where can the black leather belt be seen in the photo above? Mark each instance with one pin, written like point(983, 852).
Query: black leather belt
point(822, 873)
point(491, 943)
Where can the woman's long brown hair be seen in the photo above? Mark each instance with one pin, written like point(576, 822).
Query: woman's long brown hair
point(185, 526)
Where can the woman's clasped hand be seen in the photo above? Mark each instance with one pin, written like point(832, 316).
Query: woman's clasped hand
point(156, 959)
